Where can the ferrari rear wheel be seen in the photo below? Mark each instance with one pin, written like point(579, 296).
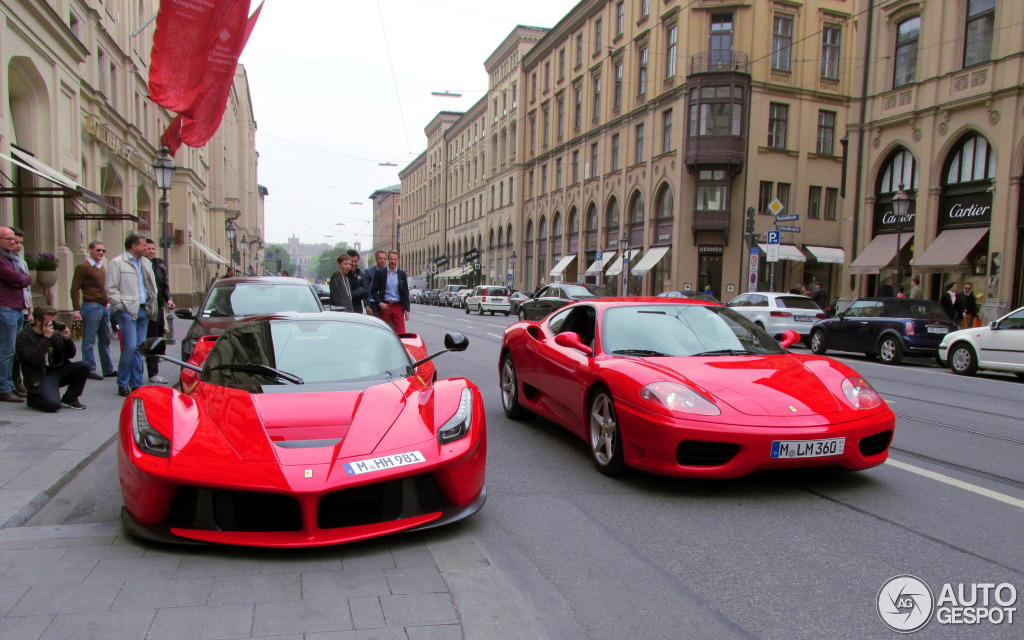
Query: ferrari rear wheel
point(962, 360)
point(818, 343)
point(510, 390)
point(605, 436)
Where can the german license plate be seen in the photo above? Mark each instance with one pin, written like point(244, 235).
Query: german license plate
point(808, 448)
point(384, 462)
point(938, 329)
point(805, 318)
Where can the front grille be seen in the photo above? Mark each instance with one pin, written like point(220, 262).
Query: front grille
point(226, 510)
point(698, 453)
point(380, 502)
point(875, 444)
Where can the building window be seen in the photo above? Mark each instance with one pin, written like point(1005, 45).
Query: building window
point(831, 197)
point(529, 184)
point(615, 152)
point(561, 64)
point(611, 224)
point(546, 128)
point(782, 193)
point(814, 202)
point(906, 52)
point(826, 132)
point(558, 173)
point(830, 40)
point(670, 52)
point(579, 49)
point(782, 43)
point(666, 131)
point(641, 89)
point(777, 116)
point(547, 76)
point(620, 18)
point(514, 95)
point(533, 132)
point(543, 179)
point(533, 86)
point(764, 196)
point(561, 118)
point(640, 143)
point(981, 16)
point(712, 190)
point(645, 8)
point(716, 111)
point(575, 167)
point(974, 161)
point(720, 44)
point(593, 161)
point(597, 98)
point(597, 35)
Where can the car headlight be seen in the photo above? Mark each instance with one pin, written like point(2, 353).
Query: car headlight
point(458, 425)
point(860, 394)
point(147, 438)
point(679, 398)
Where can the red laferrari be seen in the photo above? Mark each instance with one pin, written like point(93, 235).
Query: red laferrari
point(686, 387)
point(302, 430)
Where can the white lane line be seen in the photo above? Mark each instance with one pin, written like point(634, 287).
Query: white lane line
point(494, 334)
point(973, 488)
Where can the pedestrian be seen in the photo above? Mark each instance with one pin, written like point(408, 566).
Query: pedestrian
point(899, 292)
point(953, 303)
point(19, 384)
point(391, 290)
point(131, 289)
point(341, 292)
point(284, 273)
point(90, 304)
point(357, 283)
point(915, 288)
point(887, 290)
point(970, 306)
point(819, 296)
point(46, 349)
point(158, 324)
point(380, 259)
point(13, 280)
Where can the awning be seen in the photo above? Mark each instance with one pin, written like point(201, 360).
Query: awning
point(444, 275)
point(950, 248)
point(827, 254)
point(787, 252)
point(598, 265)
point(653, 256)
point(879, 253)
point(562, 265)
point(616, 267)
point(210, 254)
point(43, 170)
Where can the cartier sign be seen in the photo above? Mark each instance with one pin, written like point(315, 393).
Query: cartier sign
point(965, 210)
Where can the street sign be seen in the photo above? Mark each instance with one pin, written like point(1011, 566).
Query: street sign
point(774, 237)
point(787, 217)
point(780, 227)
point(754, 256)
point(773, 252)
point(600, 256)
point(776, 207)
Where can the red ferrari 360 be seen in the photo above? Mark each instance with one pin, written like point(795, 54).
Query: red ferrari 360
point(686, 387)
point(302, 430)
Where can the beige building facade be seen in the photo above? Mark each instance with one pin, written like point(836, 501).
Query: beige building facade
point(386, 215)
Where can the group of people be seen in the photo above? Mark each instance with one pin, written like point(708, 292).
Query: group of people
point(126, 294)
point(816, 293)
point(382, 290)
point(962, 307)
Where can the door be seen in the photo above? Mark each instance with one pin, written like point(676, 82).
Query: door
point(561, 371)
point(1004, 347)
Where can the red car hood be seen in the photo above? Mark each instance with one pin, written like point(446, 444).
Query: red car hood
point(759, 385)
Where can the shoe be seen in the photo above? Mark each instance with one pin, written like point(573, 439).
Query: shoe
point(123, 391)
point(158, 380)
point(95, 376)
point(112, 374)
point(19, 388)
point(10, 396)
point(73, 404)
point(20, 394)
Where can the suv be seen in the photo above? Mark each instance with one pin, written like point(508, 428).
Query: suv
point(778, 313)
point(491, 298)
point(887, 328)
point(444, 297)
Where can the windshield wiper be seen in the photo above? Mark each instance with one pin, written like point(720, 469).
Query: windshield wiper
point(726, 352)
point(262, 368)
point(638, 352)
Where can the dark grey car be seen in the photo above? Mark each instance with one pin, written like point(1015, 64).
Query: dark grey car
point(556, 296)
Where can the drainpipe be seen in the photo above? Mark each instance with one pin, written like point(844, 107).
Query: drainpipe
point(860, 134)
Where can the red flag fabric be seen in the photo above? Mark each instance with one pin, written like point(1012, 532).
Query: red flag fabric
point(172, 136)
point(193, 38)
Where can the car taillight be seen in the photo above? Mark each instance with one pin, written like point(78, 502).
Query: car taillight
point(910, 328)
point(485, 299)
point(819, 316)
point(781, 314)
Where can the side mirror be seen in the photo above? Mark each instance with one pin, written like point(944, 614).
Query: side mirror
point(185, 313)
point(841, 315)
point(789, 338)
point(571, 340)
point(993, 325)
point(153, 347)
point(455, 342)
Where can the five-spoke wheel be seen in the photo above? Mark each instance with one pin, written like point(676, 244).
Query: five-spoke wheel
point(605, 436)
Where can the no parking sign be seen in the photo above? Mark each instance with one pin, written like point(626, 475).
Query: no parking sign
point(754, 257)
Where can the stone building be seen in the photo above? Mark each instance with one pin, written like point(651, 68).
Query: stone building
point(386, 212)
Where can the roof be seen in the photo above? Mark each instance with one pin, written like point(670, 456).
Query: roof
point(322, 316)
point(262, 280)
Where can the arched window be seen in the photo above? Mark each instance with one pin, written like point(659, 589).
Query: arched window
point(636, 221)
point(574, 231)
point(974, 160)
point(590, 241)
point(556, 234)
point(611, 224)
point(663, 216)
point(900, 168)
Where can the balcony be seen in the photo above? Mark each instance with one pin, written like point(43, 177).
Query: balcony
point(711, 221)
point(719, 96)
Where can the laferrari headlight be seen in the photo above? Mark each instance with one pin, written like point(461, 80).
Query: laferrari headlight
point(458, 425)
point(678, 398)
point(860, 394)
point(147, 438)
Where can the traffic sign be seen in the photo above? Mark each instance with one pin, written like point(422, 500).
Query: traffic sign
point(776, 206)
point(754, 256)
point(774, 237)
point(600, 256)
point(773, 252)
point(788, 216)
point(780, 227)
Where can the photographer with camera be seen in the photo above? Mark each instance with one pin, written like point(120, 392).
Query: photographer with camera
point(45, 349)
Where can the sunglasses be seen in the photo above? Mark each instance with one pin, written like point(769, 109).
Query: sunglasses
point(100, 250)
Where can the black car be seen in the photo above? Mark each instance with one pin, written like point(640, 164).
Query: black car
point(517, 298)
point(886, 328)
point(232, 298)
point(697, 295)
point(323, 292)
point(556, 296)
point(430, 296)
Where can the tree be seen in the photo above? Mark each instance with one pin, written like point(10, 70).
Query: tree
point(273, 249)
point(324, 265)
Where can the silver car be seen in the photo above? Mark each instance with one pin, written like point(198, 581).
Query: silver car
point(777, 313)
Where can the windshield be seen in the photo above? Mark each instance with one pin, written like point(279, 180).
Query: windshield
point(250, 299)
point(682, 330)
point(577, 291)
point(314, 351)
point(794, 302)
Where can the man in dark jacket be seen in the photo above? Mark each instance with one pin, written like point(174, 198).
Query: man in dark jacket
point(819, 296)
point(391, 291)
point(357, 283)
point(380, 259)
point(163, 301)
point(45, 349)
point(341, 292)
point(953, 303)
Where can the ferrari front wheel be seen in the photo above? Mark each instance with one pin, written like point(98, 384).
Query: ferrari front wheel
point(510, 390)
point(605, 436)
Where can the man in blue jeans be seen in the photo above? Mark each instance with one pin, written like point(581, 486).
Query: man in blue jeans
point(13, 280)
point(131, 290)
point(89, 301)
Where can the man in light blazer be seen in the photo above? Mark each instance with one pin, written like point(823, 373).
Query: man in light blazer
point(132, 292)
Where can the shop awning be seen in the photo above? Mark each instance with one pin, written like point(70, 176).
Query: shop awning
point(827, 254)
point(651, 258)
point(43, 170)
point(787, 252)
point(950, 248)
point(458, 272)
point(444, 275)
point(879, 253)
point(210, 254)
point(616, 267)
point(562, 265)
point(598, 265)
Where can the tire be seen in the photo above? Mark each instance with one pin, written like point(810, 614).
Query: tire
point(508, 384)
point(467, 309)
point(818, 343)
point(605, 435)
point(480, 311)
point(890, 351)
point(962, 360)
point(522, 314)
point(506, 313)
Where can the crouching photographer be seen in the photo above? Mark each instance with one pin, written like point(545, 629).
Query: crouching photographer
point(45, 349)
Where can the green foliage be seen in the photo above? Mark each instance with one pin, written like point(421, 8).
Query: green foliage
point(282, 256)
point(41, 261)
point(322, 266)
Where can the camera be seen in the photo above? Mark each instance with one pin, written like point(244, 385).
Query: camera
point(58, 326)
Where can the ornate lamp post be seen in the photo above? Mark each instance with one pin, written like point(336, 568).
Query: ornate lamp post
point(232, 230)
point(624, 248)
point(512, 265)
point(164, 170)
point(900, 203)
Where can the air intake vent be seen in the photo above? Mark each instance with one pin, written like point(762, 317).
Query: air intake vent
point(698, 453)
point(875, 444)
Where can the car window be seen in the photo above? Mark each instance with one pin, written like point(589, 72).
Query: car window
point(249, 299)
point(557, 320)
point(796, 302)
point(926, 310)
point(681, 330)
point(1013, 321)
point(739, 301)
point(578, 291)
point(582, 320)
point(494, 291)
point(864, 309)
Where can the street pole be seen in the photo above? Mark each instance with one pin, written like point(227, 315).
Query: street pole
point(900, 202)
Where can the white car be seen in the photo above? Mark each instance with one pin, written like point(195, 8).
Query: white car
point(491, 298)
point(996, 347)
point(777, 313)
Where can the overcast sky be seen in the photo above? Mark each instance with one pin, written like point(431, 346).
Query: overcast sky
point(331, 103)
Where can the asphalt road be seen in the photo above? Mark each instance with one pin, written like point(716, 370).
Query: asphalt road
point(774, 555)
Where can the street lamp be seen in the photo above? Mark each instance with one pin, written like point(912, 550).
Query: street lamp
point(624, 248)
point(512, 264)
point(900, 203)
point(231, 229)
point(164, 170)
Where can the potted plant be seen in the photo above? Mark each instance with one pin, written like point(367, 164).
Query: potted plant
point(45, 266)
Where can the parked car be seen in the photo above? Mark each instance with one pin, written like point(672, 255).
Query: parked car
point(415, 295)
point(887, 328)
point(684, 387)
point(323, 291)
point(515, 299)
point(232, 298)
point(999, 346)
point(444, 297)
point(430, 296)
point(556, 296)
point(491, 298)
point(777, 313)
point(696, 295)
point(301, 430)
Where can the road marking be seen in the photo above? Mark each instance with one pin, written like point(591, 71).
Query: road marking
point(494, 334)
point(973, 488)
